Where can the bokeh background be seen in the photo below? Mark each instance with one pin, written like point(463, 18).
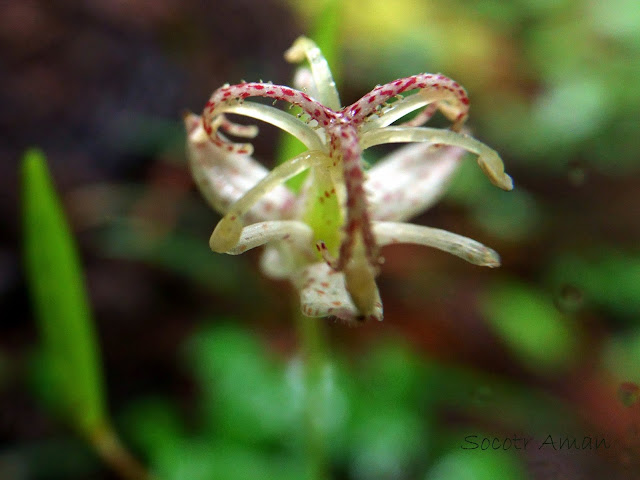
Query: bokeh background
point(199, 351)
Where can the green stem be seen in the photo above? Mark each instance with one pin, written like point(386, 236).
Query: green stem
point(114, 453)
point(313, 345)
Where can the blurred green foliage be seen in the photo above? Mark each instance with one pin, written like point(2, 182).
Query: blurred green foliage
point(622, 356)
point(549, 80)
point(380, 414)
point(531, 326)
point(69, 360)
point(513, 216)
point(609, 279)
point(554, 88)
point(581, 58)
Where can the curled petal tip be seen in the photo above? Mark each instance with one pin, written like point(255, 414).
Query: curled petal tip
point(226, 235)
point(492, 166)
point(245, 149)
point(252, 131)
point(246, 131)
point(296, 52)
point(191, 121)
point(481, 255)
point(491, 259)
point(503, 181)
point(507, 182)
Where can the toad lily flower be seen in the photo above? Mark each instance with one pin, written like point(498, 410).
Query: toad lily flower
point(326, 239)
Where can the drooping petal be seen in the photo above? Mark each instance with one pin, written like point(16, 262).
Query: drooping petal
point(488, 159)
point(296, 234)
point(323, 293)
point(474, 252)
point(410, 180)
point(227, 233)
point(323, 79)
point(223, 178)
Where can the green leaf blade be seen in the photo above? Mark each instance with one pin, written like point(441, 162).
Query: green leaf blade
point(59, 298)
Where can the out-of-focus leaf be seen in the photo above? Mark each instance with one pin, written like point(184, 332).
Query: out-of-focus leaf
point(387, 442)
point(245, 393)
point(570, 111)
point(531, 327)
point(153, 424)
point(331, 392)
point(606, 278)
point(60, 301)
point(388, 431)
point(498, 401)
point(622, 356)
point(510, 215)
point(477, 465)
point(200, 459)
point(616, 18)
point(394, 373)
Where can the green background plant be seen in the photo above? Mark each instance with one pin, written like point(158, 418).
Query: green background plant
point(539, 346)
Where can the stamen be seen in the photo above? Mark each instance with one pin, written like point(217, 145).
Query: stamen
point(321, 246)
point(335, 139)
point(298, 234)
point(228, 231)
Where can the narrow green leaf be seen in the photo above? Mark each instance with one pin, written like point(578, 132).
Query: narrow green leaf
point(70, 352)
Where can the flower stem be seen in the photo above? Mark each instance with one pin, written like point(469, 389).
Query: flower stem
point(313, 345)
point(107, 444)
